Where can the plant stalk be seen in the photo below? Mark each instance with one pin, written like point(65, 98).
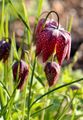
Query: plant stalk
point(29, 102)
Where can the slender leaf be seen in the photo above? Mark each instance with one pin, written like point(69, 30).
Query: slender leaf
point(65, 85)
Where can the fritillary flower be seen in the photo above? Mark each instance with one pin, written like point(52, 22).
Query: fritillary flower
point(52, 72)
point(51, 39)
point(20, 72)
point(5, 49)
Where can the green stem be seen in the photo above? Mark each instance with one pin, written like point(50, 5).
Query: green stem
point(70, 24)
point(2, 99)
point(31, 87)
point(6, 78)
point(6, 110)
point(10, 105)
point(48, 16)
point(2, 19)
point(55, 90)
point(24, 102)
point(5, 89)
point(39, 7)
point(35, 73)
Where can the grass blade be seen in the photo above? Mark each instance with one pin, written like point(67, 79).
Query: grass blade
point(70, 24)
point(31, 81)
point(22, 19)
point(65, 85)
point(42, 110)
point(39, 8)
point(5, 89)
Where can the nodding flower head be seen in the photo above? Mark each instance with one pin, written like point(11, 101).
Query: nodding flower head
point(63, 46)
point(20, 73)
point(51, 38)
point(52, 71)
point(5, 49)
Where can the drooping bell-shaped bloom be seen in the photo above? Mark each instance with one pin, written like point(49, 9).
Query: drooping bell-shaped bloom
point(63, 46)
point(51, 38)
point(20, 72)
point(45, 41)
point(45, 45)
point(52, 71)
point(4, 50)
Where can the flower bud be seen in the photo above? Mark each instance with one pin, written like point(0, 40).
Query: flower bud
point(52, 71)
point(20, 72)
point(4, 50)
